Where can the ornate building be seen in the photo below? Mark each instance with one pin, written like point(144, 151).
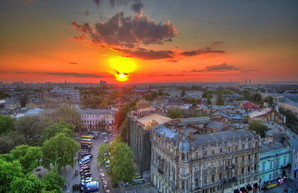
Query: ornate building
point(183, 160)
point(139, 130)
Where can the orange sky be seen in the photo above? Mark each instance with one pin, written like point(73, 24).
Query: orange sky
point(58, 42)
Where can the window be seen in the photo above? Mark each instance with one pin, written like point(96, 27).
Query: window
point(248, 156)
point(236, 159)
point(196, 181)
point(242, 170)
point(243, 158)
point(263, 166)
point(220, 176)
point(213, 151)
point(197, 154)
point(205, 180)
point(220, 150)
point(205, 152)
point(182, 185)
point(213, 177)
point(256, 155)
point(243, 146)
point(248, 169)
point(285, 160)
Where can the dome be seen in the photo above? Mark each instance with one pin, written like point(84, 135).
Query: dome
point(184, 145)
point(142, 104)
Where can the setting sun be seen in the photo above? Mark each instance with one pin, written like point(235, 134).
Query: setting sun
point(121, 76)
point(122, 66)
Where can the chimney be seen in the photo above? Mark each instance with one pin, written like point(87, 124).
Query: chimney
point(191, 136)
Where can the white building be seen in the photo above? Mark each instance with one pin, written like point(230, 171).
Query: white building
point(98, 118)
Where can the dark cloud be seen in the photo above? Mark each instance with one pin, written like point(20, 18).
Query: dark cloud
point(194, 70)
point(201, 51)
point(221, 67)
point(97, 2)
point(137, 7)
point(216, 68)
point(74, 74)
point(146, 54)
point(127, 31)
point(154, 75)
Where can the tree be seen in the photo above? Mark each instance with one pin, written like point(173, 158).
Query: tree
point(8, 172)
point(29, 184)
point(259, 128)
point(32, 129)
point(10, 141)
point(175, 113)
point(66, 114)
point(28, 156)
point(6, 124)
point(209, 96)
point(53, 181)
point(206, 93)
point(61, 127)
point(3, 95)
point(219, 100)
point(59, 150)
point(103, 149)
point(122, 167)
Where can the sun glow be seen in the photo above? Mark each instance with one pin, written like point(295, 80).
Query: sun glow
point(123, 67)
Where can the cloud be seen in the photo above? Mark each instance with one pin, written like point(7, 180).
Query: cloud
point(137, 7)
point(127, 32)
point(74, 74)
point(221, 67)
point(154, 75)
point(146, 54)
point(201, 51)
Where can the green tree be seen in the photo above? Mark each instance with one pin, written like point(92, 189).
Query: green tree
point(10, 141)
point(61, 127)
point(103, 149)
point(8, 172)
point(28, 156)
point(209, 96)
point(6, 124)
point(29, 184)
point(219, 100)
point(59, 150)
point(53, 181)
point(3, 95)
point(206, 93)
point(32, 129)
point(259, 128)
point(66, 114)
point(122, 167)
point(175, 113)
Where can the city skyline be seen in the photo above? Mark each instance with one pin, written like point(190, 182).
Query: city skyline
point(148, 41)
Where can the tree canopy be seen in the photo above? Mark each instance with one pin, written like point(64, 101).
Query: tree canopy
point(122, 167)
point(59, 150)
point(6, 124)
point(103, 149)
point(28, 156)
point(259, 128)
point(175, 113)
point(61, 127)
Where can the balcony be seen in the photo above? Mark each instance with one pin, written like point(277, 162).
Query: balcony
point(230, 180)
point(160, 171)
point(232, 166)
point(184, 176)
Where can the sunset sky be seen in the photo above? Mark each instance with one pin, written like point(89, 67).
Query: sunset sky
point(148, 40)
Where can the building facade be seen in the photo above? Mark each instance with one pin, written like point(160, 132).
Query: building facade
point(98, 119)
point(275, 163)
point(139, 131)
point(184, 161)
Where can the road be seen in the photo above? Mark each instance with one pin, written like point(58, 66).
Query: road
point(68, 174)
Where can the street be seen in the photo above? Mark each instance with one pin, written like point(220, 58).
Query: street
point(69, 174)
